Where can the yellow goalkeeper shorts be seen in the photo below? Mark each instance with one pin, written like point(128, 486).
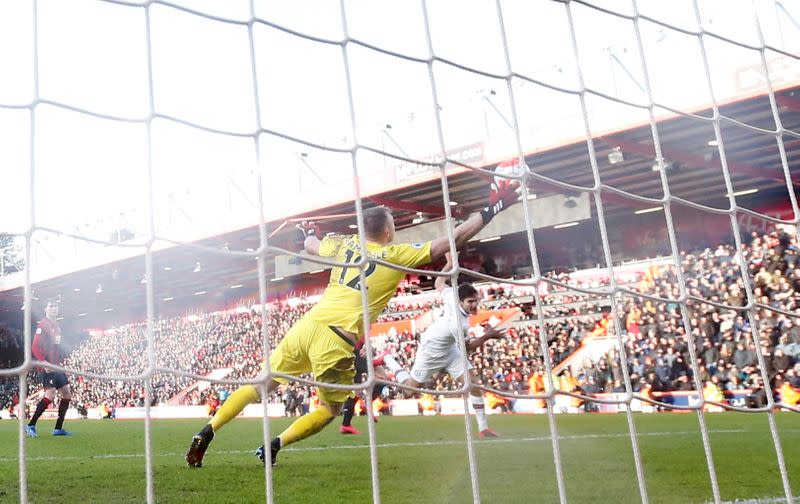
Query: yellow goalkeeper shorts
point(312, 347)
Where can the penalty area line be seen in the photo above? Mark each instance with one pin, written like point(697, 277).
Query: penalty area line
point(532, 439)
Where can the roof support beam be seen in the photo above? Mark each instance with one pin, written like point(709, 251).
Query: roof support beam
point(788, 102)
point(410, 206)
point(691, 159)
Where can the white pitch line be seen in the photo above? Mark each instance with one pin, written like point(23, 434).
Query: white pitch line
point(761, 500)
point(382, 445)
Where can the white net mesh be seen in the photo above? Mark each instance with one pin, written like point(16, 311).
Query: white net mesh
point(186, 120)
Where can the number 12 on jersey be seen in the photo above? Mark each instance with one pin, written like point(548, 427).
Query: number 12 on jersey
point(350, 258)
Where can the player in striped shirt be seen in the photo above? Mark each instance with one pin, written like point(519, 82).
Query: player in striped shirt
point(46, 347)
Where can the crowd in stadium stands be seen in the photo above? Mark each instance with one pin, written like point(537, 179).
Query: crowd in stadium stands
point(10, 346)
point(400, 310)
point(195, 344)
point(10, 356)
point(656, 347)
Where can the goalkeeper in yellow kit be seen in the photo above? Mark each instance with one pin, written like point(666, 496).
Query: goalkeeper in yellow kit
point(322, 341)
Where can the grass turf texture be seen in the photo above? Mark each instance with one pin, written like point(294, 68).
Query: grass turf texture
point(421, 460)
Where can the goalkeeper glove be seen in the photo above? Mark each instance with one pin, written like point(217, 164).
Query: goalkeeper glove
point(501, 197)
point(307, 229)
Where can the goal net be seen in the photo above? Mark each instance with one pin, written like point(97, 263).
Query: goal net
point(159, 155)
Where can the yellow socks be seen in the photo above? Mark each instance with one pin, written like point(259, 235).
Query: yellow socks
point(234, 405)
point(305, 426)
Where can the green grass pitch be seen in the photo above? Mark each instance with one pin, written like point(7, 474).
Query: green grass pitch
point(421, 460)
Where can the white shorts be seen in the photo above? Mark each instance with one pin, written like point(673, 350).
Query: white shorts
point(426, 366)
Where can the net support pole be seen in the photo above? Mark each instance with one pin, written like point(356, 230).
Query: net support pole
point(149, 289)
point(28, 294)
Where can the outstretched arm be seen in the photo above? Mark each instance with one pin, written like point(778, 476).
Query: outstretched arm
point(490, 333)
point(462, 233)
point(441, 281)
point(499, 200)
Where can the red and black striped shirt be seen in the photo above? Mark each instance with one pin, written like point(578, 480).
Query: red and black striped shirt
point(46, 341)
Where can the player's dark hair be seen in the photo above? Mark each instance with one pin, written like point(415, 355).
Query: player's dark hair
point(51, 300)
point(375, 220)
point(465, 291)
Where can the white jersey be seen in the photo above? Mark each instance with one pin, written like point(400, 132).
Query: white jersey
point(441, 336)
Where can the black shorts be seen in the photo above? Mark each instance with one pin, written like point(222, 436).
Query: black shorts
point(361, 368)
point(361, 374)
point(54, 380)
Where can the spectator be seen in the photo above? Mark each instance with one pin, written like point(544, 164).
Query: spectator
point(656, 350)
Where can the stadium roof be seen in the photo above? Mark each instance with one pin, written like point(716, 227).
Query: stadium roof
point(693, 172)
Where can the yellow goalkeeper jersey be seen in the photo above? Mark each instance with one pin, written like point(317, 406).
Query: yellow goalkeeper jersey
point(340, 305)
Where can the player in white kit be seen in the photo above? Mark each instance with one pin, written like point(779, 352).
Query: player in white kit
point(439, 350)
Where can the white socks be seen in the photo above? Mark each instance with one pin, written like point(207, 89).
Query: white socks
point(480, 411)
point(400, 374)
point(392, 363)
